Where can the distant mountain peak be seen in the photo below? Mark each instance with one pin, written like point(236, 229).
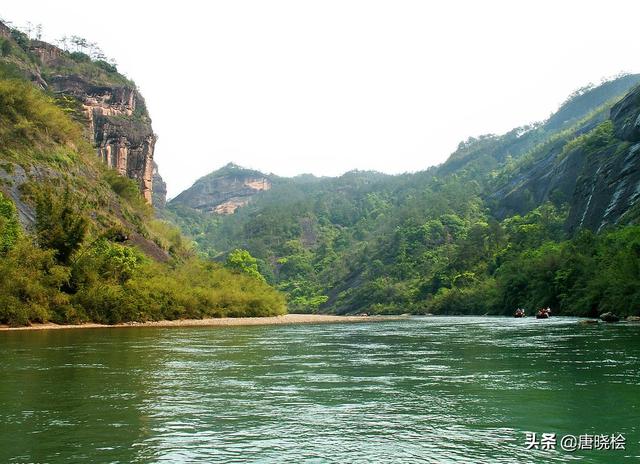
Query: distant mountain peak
point(225, 190)
point(232, 165)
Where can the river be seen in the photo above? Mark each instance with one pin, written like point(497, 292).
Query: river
point(432, 389)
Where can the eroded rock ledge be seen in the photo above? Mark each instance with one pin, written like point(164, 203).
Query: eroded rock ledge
point(121, 128)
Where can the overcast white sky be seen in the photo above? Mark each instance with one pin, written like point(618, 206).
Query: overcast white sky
point(298, 86)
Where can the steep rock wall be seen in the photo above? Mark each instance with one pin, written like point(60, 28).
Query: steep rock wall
point(598, 175)
point(551, 177)
point(120, 126)
point(609, 184)
point(159, 194)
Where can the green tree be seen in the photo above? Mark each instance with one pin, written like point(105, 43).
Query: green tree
point(9, 225)
point(242, 261)
point(30, 285)
point(60, 223)
point(5, 48)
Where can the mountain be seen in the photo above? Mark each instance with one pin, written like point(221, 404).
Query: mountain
point(105, 101)
point(79, 240)
point(502, 223)
point(225, 190)
point(580, 112)
point(593, 168)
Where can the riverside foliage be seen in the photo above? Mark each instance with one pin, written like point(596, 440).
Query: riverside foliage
point(443, 241)
point(435, 250)
point(94, 252)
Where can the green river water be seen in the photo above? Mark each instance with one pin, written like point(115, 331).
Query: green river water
point(438, 389)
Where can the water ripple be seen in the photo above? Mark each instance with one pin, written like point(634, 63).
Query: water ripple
point(463, 389)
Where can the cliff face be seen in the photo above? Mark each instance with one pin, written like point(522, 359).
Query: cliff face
point(225, 190)
point(596, 171)
point(159, 194)
point(609, 185)
point(5, 31)
point(551, 176)
point(120, 126)
point(113, 110)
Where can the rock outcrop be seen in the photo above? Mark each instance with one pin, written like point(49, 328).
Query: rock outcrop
point(609, 317)
point(121, 128)
point(114, 111)
point(5, 31)
point(225, 190)
point(550, 176)
point(608, 183)
point(159, 194)
point(46, 53)
point(596, 170)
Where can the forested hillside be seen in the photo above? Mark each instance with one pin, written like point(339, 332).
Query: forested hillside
point(78, 239)
point(541, 216)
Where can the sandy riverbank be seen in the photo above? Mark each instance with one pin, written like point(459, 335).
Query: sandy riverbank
point(224, 321)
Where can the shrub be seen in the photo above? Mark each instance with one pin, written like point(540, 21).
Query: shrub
point(9, 225)
point(168, 237)
point(105, 261)
point(30, 285)
point(106, 303)
point(60, 223)
point(108, 67)
point(28, 117)
point(20, 38)
point(5, 48)
point(80, 57)
point(193, 289)
point(123, 186)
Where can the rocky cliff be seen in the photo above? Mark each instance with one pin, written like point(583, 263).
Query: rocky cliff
point(552, 176)
point(595, 170)
point(108, 103)
point(225, 190)
point(159, 194)
point(608, 187)
point(120, 126)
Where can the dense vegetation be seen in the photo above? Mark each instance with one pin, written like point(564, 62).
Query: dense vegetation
point(92, 250)
point(442, 241)
point(78, 243)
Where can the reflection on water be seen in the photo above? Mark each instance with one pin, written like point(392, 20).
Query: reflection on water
point(421, 390)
